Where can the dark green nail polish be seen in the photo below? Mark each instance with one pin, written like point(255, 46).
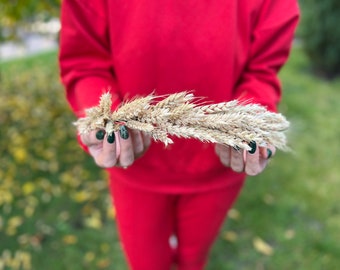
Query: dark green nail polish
point(100, 134)
point(123, 132)
point(269, 153)
point(252, 144)
point(111, 138)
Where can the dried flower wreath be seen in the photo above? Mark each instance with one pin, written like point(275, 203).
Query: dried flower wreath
point(231, 123)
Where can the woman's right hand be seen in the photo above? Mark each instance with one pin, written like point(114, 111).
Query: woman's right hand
point(120, 149)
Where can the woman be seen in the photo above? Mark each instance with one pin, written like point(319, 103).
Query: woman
point(223, 50)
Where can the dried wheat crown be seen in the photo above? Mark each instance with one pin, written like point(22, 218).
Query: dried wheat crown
point(231, 123)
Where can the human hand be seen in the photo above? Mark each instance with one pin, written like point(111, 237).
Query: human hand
point(120, 149)
point(251, 162)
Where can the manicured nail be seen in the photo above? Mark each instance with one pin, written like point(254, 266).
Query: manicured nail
point(111, 138)
point(123, 132)
point(100, 134)
point(252, 144)
point(269, 153)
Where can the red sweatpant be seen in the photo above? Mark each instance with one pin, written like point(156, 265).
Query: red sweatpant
point(146, 220)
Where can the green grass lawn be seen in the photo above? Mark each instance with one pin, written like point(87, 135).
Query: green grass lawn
point(56, 213)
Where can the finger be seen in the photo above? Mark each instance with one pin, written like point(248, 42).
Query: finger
point(107, 157)
point(137, 142)
point(237, 159)
point(267, 152)
point(146, 140)
point(93, 137)
point(94, 141)
point(223, 151)
point(144, 144)
point(218, 149)
point(254, 163)
point(126, 156)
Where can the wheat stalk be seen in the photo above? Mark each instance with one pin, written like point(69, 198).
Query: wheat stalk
point(231, 123)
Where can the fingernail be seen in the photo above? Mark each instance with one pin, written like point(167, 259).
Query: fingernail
point(123, 132)
point(100, 134)
point(269, 153)
point(111, 138)
point(252, 144)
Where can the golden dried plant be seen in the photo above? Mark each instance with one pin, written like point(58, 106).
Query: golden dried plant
point(231, 123)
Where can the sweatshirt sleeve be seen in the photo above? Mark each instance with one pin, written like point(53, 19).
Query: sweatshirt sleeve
point(271, 41)
point(85, 60)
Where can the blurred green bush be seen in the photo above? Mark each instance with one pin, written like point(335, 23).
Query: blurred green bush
point(20, 13)
point(320, 32)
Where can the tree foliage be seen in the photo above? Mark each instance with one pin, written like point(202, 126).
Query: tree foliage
point(16, 13)
point(320, 32)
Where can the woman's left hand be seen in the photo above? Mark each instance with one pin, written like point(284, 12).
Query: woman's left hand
point(251, 162)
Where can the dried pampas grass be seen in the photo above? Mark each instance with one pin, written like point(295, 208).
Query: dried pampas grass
point(231, 123)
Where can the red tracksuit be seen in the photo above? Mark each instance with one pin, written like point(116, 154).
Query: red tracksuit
point(222, 50)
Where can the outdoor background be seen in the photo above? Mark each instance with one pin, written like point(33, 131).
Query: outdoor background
point(55, 211)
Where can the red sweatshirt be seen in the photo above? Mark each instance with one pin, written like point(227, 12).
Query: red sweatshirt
point(222, 50)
